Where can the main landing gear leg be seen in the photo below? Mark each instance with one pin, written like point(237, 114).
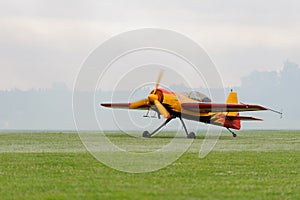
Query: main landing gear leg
point(189, 135)
point(148, 135)
point(233, 134)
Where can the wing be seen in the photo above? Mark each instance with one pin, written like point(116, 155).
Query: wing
point(124, 105)
point(214, 107)
point(141, 104)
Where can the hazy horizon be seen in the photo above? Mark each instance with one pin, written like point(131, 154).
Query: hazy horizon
point(51, 109)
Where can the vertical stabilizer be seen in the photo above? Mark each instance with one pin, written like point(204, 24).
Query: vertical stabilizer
point(232, 123)
point(232, 98)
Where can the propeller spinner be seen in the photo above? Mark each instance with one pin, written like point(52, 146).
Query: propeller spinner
point(154, 98)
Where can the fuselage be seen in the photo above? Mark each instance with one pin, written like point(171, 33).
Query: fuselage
point(173, 101)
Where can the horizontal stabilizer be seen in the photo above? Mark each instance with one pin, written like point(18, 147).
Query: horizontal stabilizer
point(243, 118)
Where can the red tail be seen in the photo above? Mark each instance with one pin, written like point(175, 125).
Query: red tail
point(233, 122)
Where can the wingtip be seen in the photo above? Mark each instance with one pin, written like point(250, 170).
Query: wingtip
point(105, 104)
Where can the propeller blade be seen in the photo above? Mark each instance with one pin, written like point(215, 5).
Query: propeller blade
point(140, 103)
point(161, 109)
point(158, 80)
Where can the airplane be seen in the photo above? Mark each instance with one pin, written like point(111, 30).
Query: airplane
point(192, 106)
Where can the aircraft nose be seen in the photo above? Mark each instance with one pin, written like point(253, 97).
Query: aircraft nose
point(152, 97)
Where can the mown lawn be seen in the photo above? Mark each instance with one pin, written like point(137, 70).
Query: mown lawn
point(56, 166)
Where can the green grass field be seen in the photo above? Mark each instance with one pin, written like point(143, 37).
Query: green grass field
point(255, 165)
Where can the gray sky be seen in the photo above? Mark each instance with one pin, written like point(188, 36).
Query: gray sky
point(42, 42)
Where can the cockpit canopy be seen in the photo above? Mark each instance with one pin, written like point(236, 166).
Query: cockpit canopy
point(197, 96)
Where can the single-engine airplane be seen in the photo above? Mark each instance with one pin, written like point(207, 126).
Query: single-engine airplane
point(192, 106)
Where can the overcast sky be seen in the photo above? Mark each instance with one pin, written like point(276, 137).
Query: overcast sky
point(43, 42)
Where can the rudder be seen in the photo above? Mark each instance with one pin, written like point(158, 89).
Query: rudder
point(232, 98)
point(232, 123)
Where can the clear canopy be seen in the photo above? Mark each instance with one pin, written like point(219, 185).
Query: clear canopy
point(198, 96)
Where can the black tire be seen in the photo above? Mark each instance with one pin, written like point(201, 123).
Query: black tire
point(191, 135)
point(234, 135)
point(146, 134)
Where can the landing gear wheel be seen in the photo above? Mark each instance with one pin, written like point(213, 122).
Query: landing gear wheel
point(233, 134)
point(146, 134)
point(191, 135)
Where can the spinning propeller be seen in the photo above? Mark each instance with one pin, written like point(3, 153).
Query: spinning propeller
point(154, 98)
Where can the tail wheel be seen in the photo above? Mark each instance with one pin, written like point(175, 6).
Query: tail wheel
point(191, 135)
